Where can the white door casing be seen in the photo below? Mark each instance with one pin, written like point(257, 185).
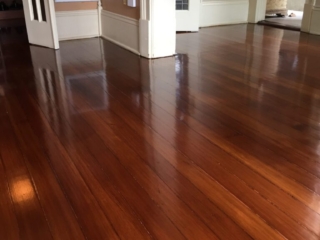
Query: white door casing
point(157, 34)
point(41, 23)
point(257, 10)
point(187, 15)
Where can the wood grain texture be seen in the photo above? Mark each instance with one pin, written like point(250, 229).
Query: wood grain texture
point(219, 142)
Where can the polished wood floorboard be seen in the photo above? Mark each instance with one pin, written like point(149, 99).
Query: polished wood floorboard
point(220, 141)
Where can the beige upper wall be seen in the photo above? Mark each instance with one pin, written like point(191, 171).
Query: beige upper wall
point(117, 6)
point(296, 5)
point(74, 6)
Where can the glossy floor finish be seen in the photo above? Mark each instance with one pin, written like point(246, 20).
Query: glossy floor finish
point(218, 142)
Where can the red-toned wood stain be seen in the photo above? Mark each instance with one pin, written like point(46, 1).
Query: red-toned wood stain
point(219, 142)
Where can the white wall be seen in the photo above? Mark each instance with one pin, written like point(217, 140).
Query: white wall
point(311, 17)
point(220, 12)
point(77, 24)
point(296, 5)
point(315, 21)
point(120, 30)
point(152, 36)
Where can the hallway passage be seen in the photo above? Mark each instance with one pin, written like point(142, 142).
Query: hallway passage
point(220, 141)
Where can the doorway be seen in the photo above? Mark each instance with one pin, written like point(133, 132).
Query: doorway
point(36, 16)
point(285, 14)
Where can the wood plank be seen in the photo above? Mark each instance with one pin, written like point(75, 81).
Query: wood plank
point(202, 147)
point(208, 117)
point(133, 192)
point(9, 228)
point(208, 133)
point(286, 182)
point(23, 193)
point(298, 177)
point(161, 195)
point(113, 205)
point(80, 198)
point(54, 202)
point(219, 142)
point(163, 117)
point(177, 162)
point(229, 111)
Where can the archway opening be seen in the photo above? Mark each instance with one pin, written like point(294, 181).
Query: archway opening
point(287, 14)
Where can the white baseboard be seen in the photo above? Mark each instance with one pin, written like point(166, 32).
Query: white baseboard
point(77, 24)
point(121, 30)
point(222, 12)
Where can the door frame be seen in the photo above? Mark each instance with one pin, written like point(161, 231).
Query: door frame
point(311, 14)
point(52, 13)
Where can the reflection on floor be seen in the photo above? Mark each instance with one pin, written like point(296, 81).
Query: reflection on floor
point(13, 39)
point(218, 142)
point(292, 23)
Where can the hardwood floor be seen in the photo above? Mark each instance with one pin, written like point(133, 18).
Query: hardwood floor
point(219, 142)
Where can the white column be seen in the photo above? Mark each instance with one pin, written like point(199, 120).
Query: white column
point(144, 29)
point(315, 18)
point(257, 10)
point(99, 17)
point(307, 13)
point(157, 28)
